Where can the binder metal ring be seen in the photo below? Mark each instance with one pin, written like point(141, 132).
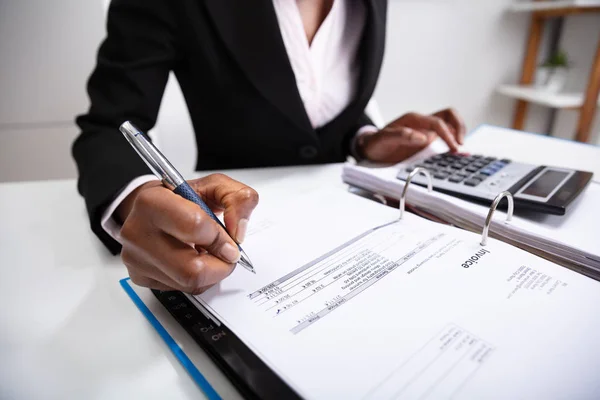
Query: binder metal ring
point(488, 220)
point(414, 172)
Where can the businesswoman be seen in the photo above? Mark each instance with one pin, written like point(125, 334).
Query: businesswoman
point(267, 82)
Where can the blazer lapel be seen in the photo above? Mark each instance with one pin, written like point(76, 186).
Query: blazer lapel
point(372, 48)
point(250, 30)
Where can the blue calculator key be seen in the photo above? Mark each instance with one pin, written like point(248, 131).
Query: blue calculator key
point(486, 172)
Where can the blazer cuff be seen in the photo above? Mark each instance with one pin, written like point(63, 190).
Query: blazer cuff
point(107, 220)
point(367, 129)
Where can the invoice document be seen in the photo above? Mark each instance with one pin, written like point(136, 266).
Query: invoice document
point(350, 302)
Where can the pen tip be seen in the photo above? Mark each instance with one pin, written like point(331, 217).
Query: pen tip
point(245, 262)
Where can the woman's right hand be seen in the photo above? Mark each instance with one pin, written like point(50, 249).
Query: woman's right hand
point(170, 243)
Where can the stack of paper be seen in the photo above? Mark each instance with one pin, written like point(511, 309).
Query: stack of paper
point(570, 240)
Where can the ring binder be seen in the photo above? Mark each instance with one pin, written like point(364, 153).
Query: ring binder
point(414, 172)
point(488, 220)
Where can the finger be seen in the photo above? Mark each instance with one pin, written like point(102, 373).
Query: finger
point(150, 283)
point(455, 121)
point(395, 143)
point(403, 136)
point(236, 199)
point(186, 222)
point(141, 270)
point(436, 124)
point(188, 268)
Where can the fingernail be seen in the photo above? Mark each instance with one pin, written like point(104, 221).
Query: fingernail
point(241, 230)
point(230, 253)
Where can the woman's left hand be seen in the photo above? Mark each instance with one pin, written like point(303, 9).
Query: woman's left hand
point(410, 134)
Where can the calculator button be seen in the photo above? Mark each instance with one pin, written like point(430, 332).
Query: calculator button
point(472, 182)
point(490, 159)
point(456, 166)
point(472, 168)
point(481, 177)
point(487, 171)
point(505, 161)
point(436, 157)
point(442, 164)
point(456, 178)
point(440, 175)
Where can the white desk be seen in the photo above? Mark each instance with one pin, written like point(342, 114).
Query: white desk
point(68, 330)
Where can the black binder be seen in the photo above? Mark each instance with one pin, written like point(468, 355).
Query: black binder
point(248, 373)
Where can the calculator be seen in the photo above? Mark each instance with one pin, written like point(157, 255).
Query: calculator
point(540, 188)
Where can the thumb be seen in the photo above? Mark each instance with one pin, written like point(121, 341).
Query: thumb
point(236, 200)
point(238, 208)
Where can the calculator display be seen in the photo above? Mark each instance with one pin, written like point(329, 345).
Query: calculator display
point(545, 183)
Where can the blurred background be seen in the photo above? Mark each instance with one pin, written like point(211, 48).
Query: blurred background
point(468, 54)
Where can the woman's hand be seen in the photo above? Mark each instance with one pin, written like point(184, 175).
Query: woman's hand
point(170, 243)
point(410, 134)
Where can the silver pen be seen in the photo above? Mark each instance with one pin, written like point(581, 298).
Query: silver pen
point(170, 177)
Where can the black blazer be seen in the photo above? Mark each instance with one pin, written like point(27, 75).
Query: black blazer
point(240, 89)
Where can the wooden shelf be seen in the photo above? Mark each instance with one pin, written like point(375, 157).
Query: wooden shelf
point(586, 104)
point(553, 5)
point(543, 97)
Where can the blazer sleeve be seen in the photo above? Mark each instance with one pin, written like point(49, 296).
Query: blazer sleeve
point(128, 82)
point(348, 140)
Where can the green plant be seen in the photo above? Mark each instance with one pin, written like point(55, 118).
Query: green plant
point(556, 60)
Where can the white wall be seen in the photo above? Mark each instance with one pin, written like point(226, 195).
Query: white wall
point(439, 53)
point(444, 53)
point(451, 53)
point(580, 38)
point(47, 50)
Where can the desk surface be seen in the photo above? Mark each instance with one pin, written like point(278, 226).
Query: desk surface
point(68, 330)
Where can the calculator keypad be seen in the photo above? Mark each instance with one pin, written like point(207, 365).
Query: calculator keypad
point(460, 168)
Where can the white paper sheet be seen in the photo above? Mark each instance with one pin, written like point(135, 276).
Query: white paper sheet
point(350, 303)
